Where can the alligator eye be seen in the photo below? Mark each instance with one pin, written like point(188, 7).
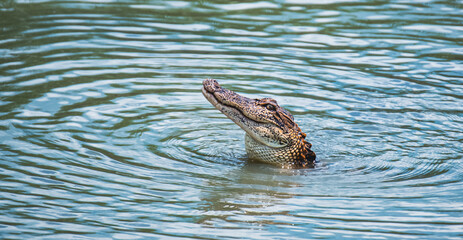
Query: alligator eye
point(270, 107)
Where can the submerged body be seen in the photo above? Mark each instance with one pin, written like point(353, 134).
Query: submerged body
point(272, 136)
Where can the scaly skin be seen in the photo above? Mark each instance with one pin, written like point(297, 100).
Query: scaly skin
point(272, 136)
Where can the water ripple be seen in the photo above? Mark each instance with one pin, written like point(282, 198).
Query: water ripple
point(105, 134)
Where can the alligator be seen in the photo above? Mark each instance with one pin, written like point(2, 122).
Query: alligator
point(272, 136)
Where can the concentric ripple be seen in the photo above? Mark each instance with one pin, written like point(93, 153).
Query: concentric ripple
point(105, 133)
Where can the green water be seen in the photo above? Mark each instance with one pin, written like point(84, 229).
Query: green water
point(104, 132)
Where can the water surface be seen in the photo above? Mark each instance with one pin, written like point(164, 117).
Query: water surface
point(105, 133)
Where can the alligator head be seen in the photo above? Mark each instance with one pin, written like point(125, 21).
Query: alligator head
point(272, 136)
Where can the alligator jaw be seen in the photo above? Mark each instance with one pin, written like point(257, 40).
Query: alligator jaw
point(212, 90)
point(241, 110)
point(214, 93)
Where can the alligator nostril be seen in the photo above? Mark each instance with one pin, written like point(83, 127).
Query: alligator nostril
point(208, 81)
point(211, 85)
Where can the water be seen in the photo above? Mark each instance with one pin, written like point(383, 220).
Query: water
point(105, 133)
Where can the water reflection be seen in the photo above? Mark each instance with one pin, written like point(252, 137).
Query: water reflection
point(247, 195)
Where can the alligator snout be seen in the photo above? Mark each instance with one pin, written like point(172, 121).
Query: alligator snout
point(211, 85)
